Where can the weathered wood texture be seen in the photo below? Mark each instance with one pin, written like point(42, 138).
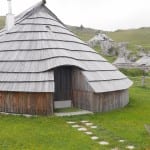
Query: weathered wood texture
point(103, 102)
point(82, 93)
point(85, 98)
point(26, 103)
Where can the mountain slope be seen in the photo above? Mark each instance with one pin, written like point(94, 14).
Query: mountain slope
point(83, 33)
point(139, 36)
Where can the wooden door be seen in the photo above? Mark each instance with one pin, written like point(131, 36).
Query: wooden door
point(63, 83)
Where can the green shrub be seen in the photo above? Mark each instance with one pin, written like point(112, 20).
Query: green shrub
point(132, 72)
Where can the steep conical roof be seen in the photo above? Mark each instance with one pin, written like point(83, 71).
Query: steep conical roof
point(145, 60)
point(38, 43)
point(121, 61)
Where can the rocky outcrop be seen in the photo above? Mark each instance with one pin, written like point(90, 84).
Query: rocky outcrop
point(107, 44)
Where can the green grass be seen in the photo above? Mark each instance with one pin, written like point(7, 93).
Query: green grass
point(41, 133)
point(111, 59)
point(133, 72)
point(53, 133)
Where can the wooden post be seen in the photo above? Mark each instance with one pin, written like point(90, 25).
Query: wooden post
point(143, 81)
point(143, 76)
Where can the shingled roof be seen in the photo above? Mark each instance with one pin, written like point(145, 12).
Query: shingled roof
point(145, 60)
point(40, 42)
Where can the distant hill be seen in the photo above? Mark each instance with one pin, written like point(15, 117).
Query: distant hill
point(135, 37)
point(83, 33)
point(2, 21)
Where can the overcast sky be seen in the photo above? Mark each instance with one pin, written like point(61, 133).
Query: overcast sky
point(100, 14)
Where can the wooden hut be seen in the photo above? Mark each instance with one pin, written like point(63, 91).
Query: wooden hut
point(123, 62)
point(145, 60)
point(44, 66)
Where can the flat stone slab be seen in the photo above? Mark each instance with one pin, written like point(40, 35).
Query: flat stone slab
point(93, 127)
point(28, 116)
point(13, 114)
point(88, 124)
point(116, 148)
point(121, 141)
point(82, 129)
point(76, 126)
point(130, 147)
point(104, 143)
point(83, 112)
point(88, 133)
point(84, 121)
point(94, 138)
point(71, 122)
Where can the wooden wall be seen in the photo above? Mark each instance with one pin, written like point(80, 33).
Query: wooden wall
point(103, 102)
point(26, 103)
point(82, 93)
point(85, 98)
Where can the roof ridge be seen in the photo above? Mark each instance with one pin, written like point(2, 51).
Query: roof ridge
point(44, 1)
point(27, 12)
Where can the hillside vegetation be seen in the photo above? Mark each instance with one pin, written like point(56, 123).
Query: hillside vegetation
point(134, 36)
point(84, 34)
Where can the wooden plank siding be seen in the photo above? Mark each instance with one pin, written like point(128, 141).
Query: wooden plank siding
point(85, 98)
point(103, 102)
point(26, 103)
point(82, 93)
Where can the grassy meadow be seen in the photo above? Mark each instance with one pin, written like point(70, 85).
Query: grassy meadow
point(53, 133)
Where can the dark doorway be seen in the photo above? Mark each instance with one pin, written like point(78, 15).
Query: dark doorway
point(63, 83)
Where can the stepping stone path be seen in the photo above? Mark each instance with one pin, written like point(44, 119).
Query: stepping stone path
point(94, 137)
point(130, 147)
point(103, 143)
point(82, 127)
